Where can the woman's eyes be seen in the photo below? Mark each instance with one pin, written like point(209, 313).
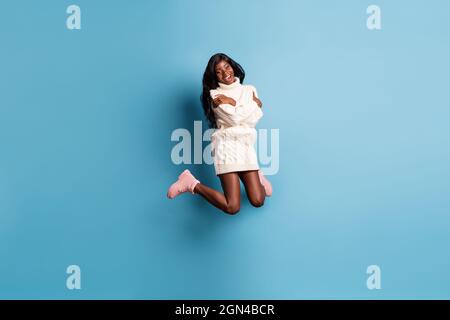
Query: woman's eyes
point(227, 67)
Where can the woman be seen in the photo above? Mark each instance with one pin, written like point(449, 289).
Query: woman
point(233, 109)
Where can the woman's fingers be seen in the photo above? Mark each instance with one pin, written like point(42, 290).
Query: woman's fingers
point(217, 101)
point(254, 97)
point(258, 102)
point(220, 98)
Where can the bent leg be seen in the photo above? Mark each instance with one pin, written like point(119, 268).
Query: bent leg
point(230, 200)
point(255, 190)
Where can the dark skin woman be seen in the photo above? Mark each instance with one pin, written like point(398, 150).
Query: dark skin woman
point(222, 68)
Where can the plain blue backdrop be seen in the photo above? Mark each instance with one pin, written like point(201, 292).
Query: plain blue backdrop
point(85, 123)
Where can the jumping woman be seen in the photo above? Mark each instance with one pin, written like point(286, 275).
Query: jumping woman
point(233, 109)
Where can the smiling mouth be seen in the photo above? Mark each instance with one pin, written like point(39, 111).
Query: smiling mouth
point(228, 78)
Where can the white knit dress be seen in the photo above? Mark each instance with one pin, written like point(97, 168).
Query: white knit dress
point(234, 139)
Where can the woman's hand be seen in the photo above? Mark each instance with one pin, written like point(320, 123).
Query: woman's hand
point(258, 102)
point(221, 99)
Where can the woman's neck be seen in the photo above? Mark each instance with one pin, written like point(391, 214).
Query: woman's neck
point(236, 83)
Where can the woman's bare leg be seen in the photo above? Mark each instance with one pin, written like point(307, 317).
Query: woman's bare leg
point(255, 190)
point(230, 200)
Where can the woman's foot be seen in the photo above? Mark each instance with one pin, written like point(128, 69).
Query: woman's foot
point(186, 182)
point(265, 183)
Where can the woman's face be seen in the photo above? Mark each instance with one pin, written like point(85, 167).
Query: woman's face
point(224, 72)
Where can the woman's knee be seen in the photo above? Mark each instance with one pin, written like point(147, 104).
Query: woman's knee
point(232, 208)
point(257, 201)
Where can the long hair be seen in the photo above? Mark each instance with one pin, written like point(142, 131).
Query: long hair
point(210, 82)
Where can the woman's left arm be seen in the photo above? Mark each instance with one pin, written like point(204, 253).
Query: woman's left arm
point(255, 97)
point(258, 102)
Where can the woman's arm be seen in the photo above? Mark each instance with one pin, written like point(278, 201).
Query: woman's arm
point(255, 96)
point(258, 102)
point(223, 99)
point(230, 112)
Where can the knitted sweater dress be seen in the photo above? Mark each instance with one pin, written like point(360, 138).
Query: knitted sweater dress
point(233, 141)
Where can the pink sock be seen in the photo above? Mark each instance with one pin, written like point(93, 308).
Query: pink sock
point(267, 185)
point(186, 182)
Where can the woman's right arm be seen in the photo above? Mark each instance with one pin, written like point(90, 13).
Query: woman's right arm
point(222, 99)
point(231, 114)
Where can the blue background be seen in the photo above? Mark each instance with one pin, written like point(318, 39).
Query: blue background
point(85, 123)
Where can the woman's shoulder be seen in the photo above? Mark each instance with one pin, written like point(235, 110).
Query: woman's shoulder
point(213, 92)
point(250, 88)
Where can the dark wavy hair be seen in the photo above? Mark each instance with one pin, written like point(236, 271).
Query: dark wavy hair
point(210, 82)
